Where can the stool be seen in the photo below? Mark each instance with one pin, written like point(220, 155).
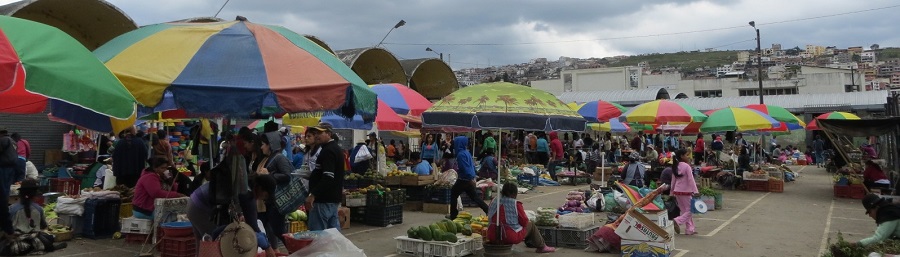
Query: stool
point(492, 250)
point(705, 182)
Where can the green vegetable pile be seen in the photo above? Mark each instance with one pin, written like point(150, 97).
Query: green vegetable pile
point(443, 230)
point(843, 248)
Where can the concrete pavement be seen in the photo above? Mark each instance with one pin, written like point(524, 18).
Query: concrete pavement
point(797, 222)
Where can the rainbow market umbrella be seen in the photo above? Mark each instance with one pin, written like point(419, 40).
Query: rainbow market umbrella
point(737, 119)
point(385, 120)
point(234, 68)
point(41, 64)
point(600, 111)
point(662, 112)
point(402, 99)
point(787, 126)
point(831, 116)
point(776, 112)
point(574, 106)
point(502, 105)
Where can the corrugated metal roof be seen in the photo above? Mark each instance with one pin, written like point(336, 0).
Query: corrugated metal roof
point(796, 103)
point(623, 97)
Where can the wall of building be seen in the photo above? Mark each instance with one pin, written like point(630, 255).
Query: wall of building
point(553, 86)
point(598, 79)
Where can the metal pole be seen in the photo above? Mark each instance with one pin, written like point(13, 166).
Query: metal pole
point(759, 76)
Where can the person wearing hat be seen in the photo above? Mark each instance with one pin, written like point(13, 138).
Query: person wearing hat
point(29, 222)
point(326, 181)
point(650, 154)
point(358, 165)
point(101, 172)
point(886, 216)
point(635, 170)
point(150, 187)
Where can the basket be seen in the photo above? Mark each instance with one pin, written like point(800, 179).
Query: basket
point(857, 191)
point(297, 226)
point(293, 244)
point(178, 246)
point(358, 214)
point(841, 191)
point(761, 186)
point(63, 236)
point(382, 217)
point(573, 238)
point(385, 198)
point(576, 220)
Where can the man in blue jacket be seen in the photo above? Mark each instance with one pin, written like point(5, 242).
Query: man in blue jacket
point(465, 181)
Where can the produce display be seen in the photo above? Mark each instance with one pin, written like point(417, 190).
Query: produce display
point(49, 213)
point(398, 173)
point(355, 194)
point(443, 230)
point(574, 203)
point(296, 216)
point(373, 175)
point(546, 217)
point(56, 228)
point(353, 176)
point(125, 193)
point(366, 190)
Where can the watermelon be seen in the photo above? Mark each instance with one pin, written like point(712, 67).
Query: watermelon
point(449, 237)
point(424, 233)
point(435, 232)
point(450, 227)
point(411, 233)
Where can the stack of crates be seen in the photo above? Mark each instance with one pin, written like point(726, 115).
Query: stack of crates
point(101, 218)
point(178, 246)
point(384, 208)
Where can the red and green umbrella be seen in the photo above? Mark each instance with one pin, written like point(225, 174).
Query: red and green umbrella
point(600, 111)
point(662, 112)
point(831, 116)
point(737, 119)
point(40, 64)
point(234, 68)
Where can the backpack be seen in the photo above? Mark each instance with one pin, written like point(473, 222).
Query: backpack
point(8, 154)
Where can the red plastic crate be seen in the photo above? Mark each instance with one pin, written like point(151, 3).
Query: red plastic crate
point(69, 186)
point(178, 246)
point(857, 191)
point(752, 185)
point(136, 238)
point(776, 186)
point(841, 191)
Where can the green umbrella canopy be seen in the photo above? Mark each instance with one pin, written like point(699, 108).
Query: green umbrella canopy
point(503, 105)
point(57, 66)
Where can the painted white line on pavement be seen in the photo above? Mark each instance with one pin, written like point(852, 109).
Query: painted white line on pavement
point(842, 218)
point(544, 194)
point(681, 252)
point(363, 231)
point(713, 233)
point(854, 209)
point(824, 242)
point(745, 200)
point(392, 255)
point(711, 219)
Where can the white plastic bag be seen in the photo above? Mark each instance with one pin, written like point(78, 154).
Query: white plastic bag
point(330, 243)
point(532, 215)
point(592, 202)
point(363, 155)
point(459, 204)
point(67, 205)
point(109, 180)
point(447, 177)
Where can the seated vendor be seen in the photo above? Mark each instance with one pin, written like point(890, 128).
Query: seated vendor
point(150, 187)
point(874, 177)
point(516, 226)
point(488, 166)
point(29, 222)
point(419, 166)
point(886, 216)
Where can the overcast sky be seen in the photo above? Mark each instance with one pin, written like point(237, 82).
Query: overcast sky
point(478, 33)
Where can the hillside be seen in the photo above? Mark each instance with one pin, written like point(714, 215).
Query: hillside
point(683, 60)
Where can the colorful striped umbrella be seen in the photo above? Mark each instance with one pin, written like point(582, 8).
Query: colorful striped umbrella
point(831, 116)
point(600, 111)
point(787, 126)
point(234, 68)
point(40, 64)
point(611, 125)
point(662, 112)
point(385, 120)
point(402, 99)
point(737, 119)
point(776, 112)
point(575, 106)
point(502, 105)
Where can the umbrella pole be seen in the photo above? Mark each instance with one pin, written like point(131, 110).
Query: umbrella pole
point(499, 162)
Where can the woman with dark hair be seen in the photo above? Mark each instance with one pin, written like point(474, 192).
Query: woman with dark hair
point(515, 224)
point(129, 157)
point(29, 222)
point(429, 149)
point(161, 147)
point(150, 187)
point(684, 188)
point(274, 170)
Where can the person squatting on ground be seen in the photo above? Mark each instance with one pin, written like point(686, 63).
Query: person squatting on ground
point(515, 225)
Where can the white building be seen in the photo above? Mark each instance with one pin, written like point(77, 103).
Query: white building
point(867, 56)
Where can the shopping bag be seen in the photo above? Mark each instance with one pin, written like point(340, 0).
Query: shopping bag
point(209, 247)
point(363, 155)
point(290, 196)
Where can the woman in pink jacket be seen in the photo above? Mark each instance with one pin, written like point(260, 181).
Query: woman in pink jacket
point(684, 188)
point(150, 187)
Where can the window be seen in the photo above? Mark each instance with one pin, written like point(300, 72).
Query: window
point(769, 91)
point(708, 93)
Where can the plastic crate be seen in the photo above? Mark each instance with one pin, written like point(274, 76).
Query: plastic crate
point(416, 247)
point(363, 183)
point(573, 238)
point(101, 218)
point(776, 186)
point(385, 198)
point(74, 222)
point(358, 214)
point(438, 196)
point(415, 193)
point(467, 202)
point(178, 246)
point(750, 176)
point(576, 220)
point(753, 185)
point(382, 217)
point(351, 184)
point(136, 226)
point(857, 191)
point(549, 235)
point(355, 202)
point(842, 191)
point(69, 186)
point(531, 180)
point(297, 226)
point(135, 238)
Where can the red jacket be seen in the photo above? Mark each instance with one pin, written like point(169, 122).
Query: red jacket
point(872, 174)
point(556, 146)
point(148, 189)
point(509, 235)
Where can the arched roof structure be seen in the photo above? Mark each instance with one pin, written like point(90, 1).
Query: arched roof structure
point(91, 22)
point(431, 77)
point(373, 65)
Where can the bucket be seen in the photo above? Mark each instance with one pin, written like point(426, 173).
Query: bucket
point(719, 201)
point(492, 250)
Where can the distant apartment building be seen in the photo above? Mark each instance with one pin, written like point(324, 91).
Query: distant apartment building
point(855, 49)
point(724, 69)
point(815, 50)
point(842, 58)
point(776, 47)
point(743, 56)
point(867, 56)
point(776, 72)
point(895, 80)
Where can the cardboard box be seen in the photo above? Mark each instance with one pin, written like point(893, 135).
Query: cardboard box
point(638, 227)
point(417, 180)
point(413, 206)
point(660, 218)
point(344, 217)
point(392, 180)
point(439, 208)
point(647, 248)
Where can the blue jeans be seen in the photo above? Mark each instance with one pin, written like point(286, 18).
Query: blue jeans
point(324, 216)
point(819, 159)
point(139, 215)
